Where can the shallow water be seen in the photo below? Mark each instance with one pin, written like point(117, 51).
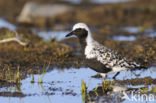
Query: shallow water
point(147, 32)
point(124, 38)
point(153, 34)
point(64, 85)
point(49, 35)
point(131, 29)
point(61, 82)
point(5, 24)
point(150, 33)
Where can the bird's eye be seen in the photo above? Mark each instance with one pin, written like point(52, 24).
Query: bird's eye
point(79, 29)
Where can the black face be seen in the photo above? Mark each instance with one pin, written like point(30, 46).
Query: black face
point(80, 33)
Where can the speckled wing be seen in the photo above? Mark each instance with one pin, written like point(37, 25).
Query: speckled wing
point(111, 58)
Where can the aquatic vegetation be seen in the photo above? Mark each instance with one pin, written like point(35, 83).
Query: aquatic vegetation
point(106, 85)
point(11, 77)
point(143, 90)
point(32, 81)
point(41, 79)
point(95, 90)
point(8, 74)
point(18, 80)
point(83, 90)
point(151, 89)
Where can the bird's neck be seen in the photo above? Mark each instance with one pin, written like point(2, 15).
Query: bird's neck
point(86, 41)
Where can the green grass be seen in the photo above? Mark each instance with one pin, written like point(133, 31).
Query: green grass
point(15, 78)
point(83, 90)
point(41, 79)
point(18, 80)
point(11, 77)
point(32, 81)
point(8, 75)
point(151, 89)
point(95, 90)
point(8, 34)
point(26, 49)
point(106, 85)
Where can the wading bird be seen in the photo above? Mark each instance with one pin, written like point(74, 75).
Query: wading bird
point(97, 56)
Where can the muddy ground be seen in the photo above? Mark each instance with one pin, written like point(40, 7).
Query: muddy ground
point(104, 17)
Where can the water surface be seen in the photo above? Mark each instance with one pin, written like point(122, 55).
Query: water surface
point(64, 85)
point(52, 34)
point(124, 38)
point(6, 24)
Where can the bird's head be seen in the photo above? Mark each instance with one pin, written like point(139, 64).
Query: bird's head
point(80, 30)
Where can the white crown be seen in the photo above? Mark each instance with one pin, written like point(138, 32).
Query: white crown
point(80, 25)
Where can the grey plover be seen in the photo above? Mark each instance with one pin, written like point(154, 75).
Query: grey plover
point(97, 56)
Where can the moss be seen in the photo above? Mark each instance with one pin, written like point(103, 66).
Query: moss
point(106, 86)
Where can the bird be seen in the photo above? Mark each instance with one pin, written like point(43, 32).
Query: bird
point(99, 57)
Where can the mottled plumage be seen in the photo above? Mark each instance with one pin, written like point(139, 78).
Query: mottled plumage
point(108, 57)
point(97, 56)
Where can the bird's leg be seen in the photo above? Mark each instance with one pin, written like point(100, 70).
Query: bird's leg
point(116, 75)
point(103, 75)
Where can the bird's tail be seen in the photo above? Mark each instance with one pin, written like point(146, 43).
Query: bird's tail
point(135, 66)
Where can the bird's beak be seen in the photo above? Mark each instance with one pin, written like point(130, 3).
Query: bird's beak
point(70, 34)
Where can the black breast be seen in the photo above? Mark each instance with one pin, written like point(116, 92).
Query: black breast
point(97, 66)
